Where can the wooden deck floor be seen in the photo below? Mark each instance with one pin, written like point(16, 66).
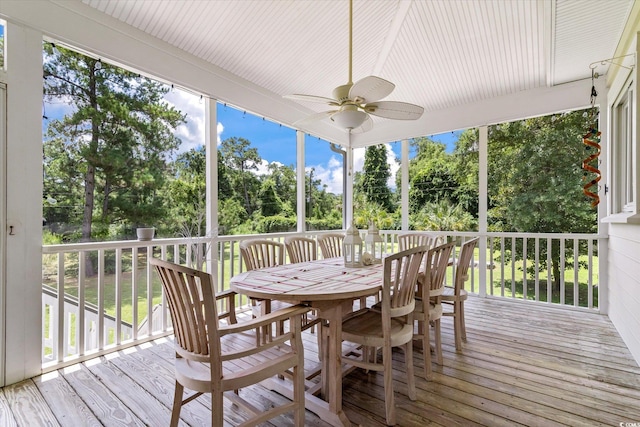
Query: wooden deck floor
point(522, 365)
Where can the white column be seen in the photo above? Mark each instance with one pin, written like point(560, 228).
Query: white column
point(23, 287)
point(603, 227)
point(301, 187)
point(483, 146)
point(404, 184)
point(211, 151)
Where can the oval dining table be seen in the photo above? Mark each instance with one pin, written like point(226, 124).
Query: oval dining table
point(330, 288)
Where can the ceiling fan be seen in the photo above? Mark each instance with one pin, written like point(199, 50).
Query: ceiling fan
point(354, 102)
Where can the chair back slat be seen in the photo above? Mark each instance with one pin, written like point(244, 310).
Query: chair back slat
point(436, 263)
point(331, 245)
point(301, 249)
point(464, 262)
point(191, 300)
point(399, 281)
point(261, 253)
point(411, 240)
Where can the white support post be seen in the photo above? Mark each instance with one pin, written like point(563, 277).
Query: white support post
point(603, 227)
point(404, 183)
point(211, 152)
point(483, 146)
point(22, 298)
point(301, 187)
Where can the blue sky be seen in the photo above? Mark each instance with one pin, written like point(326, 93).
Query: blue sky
point(276, 143)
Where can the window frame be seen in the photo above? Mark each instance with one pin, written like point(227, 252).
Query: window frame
point(623, 150)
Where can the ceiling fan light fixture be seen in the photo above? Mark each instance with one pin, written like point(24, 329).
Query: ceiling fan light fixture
point(356, 102)
point(349, 119)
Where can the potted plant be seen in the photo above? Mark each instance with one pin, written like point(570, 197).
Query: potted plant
point(145, 233)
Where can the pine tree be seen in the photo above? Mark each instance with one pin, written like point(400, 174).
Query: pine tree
point(116, 139)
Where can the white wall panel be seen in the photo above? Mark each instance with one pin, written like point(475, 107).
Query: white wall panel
point(624, 283)
point(24, 208)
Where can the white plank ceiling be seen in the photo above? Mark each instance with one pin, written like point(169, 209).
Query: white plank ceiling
point(439, 53)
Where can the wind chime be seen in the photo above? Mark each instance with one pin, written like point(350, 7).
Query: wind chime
point(591, 140)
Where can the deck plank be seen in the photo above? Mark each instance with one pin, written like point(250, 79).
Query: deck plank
point(67, 406)
point(104, 403)
point(143, 404)
point(155, 375)
point(6, 416)
point(523, 364)
point(28, 406)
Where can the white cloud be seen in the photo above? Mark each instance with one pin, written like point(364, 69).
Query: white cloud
point(358, 159)
point(394, 166)
point(219, 130)
point(329, 174)
point(192, 132)
point(263, 168)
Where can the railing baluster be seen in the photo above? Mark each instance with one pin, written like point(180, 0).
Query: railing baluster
point(118, 296)
point(163, 303)
point(149, 292)
point(61, 346)
point(490, 260)
point(525, 284)
point(562, 267)
point(134, 292)
point(576, 270)
point(513, 267)
point(537, 268)
point(473, 271)
point(100, 313)
point(590, 275)
point(549, 271)
point(502, 283)
point(81, 327)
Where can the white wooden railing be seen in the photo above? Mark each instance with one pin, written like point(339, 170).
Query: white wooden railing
point(95, 295)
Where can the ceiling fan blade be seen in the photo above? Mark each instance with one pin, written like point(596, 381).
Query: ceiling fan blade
point(314, 118)
point(394, 110)
point(366, 126)
point(311, 98)
point(370, 89)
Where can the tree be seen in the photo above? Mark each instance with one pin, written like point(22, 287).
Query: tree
point(241, 161)
point(466, 171)
point(118, 135)
point(187, 193)
point(535, 179)
point(225, 190)
point(443, 216)
point(375, 176)
point(432, 176)
point(284, 182)
point(269, 201)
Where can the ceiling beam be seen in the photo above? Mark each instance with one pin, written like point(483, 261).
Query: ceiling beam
point(530, 103)
point(392, 35)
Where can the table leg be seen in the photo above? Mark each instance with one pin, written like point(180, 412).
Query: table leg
point(324, 371)
point(334, 376)
point(329, 405)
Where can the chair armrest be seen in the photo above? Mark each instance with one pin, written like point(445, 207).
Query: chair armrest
point(230, 313)
point(275, 316)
